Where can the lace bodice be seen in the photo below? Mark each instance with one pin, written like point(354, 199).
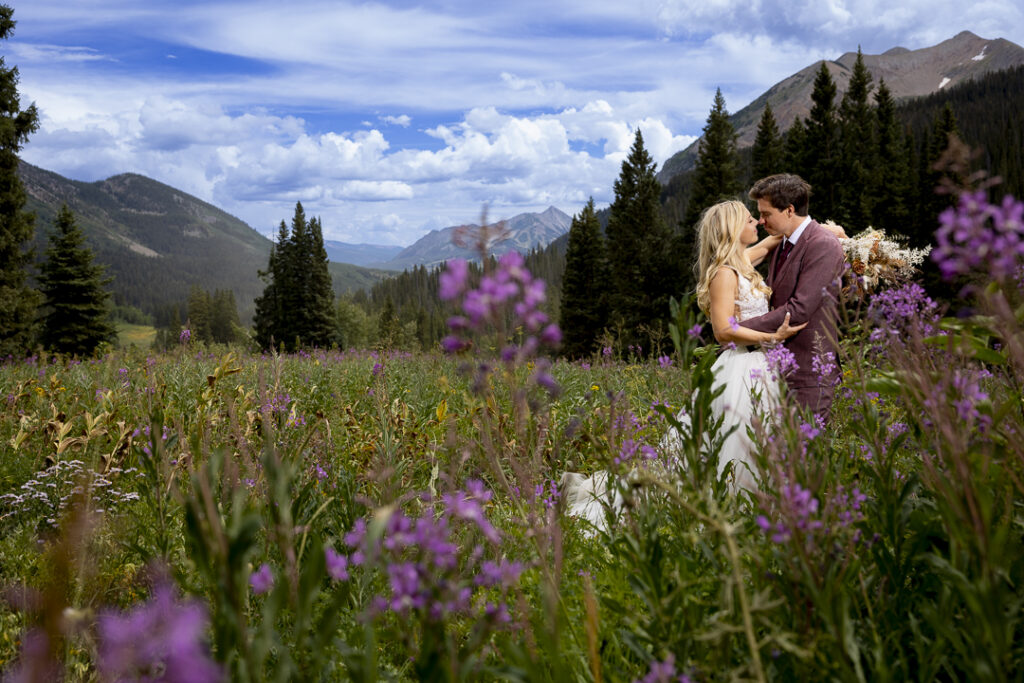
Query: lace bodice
point(750, 301)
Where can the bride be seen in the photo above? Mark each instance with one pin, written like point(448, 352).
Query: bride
point(729, 291)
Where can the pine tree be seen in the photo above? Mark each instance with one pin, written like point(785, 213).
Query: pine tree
point(795, 156)
point(268, 318)
point(768, 154)
point(321, 329)
point(200, 314)
point(890, 188)
point(77, 318)
point(389, 328)
point(584, 302)
point(224, 323)
point(638, 253)
point(297, 304)
point(716, 176)
point(859, 152)
point(294, 276)
point(933, 201)
point(822, 147)
point(17, 227)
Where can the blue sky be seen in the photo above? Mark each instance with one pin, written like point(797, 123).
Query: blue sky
point(389, 119)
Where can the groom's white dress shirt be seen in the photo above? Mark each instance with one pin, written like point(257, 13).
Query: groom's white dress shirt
point(799, 231)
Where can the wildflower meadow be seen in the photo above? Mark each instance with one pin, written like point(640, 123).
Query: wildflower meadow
point(209, 514)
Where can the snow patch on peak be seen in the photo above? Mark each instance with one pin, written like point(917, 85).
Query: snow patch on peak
point(981, 55)
point(943, 84)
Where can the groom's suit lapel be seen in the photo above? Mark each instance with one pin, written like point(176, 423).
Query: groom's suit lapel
point(795, 255)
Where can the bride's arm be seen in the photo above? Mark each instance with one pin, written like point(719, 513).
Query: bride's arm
point(723, 289)
point(758, 252)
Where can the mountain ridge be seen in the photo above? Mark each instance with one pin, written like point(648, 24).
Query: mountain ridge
point(157, 241)
point(521, 232)
point(908, 73)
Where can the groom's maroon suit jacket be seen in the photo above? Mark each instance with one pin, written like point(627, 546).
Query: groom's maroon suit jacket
point(806, 287)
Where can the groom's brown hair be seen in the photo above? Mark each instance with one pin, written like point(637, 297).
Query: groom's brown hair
point(783, 189)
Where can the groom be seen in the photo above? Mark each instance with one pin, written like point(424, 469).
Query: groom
point(804, 276)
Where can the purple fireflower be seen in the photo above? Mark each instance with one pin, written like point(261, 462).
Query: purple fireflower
point(695, 331)
point(185, 335)
point(160, 640)
point(453, 280)
point(824, 366)
point(969, 394)
point(664, 672)
point(781, 361)
point(664, 361)
point(337, 564)
point(976, 235)
point(551, 336)
point(459, 505)
point(427, 572)
point(900, 313)
point(503, 573)
point(261, 580)
point(36, 662)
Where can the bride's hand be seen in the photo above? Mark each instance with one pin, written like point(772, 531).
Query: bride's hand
point(786, 330)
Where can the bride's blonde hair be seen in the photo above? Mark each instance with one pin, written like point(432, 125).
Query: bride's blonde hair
point(718, 245)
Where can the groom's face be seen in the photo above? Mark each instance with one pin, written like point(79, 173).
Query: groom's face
point(773, 220)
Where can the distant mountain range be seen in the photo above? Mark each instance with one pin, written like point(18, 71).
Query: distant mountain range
point(360, 254)
point(908, 73)
point(157, 241)
point(520, 233)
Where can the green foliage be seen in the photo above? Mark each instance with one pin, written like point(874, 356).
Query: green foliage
point(584, 301)
point(213, 318)
point(17, 227)
point(643, 273)
point(859, 151)
point(77, 312)
point(297, 304)
point(768, 151)
point(890, 184)
point(716, 176)
point(822, 151)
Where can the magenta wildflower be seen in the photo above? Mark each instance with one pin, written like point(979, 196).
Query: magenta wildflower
point(262, 580)
point(337, 564)
point(664, 672)
point(354, 538)
point(781, 361)
point(976, 235)
point(185, 336)
point(551, 336)
point(160, 640)
point(452, 281)
point(664, 361)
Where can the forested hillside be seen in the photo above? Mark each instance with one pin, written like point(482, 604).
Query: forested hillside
point(987, 116)
point(158, 242)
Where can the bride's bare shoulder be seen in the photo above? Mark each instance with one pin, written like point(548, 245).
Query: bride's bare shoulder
point(724, 283)
point(725, 275)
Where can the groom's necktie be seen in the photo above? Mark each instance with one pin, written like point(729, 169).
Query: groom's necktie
point(787, 247)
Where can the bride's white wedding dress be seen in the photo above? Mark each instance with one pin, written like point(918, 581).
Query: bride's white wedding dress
point(744, 373)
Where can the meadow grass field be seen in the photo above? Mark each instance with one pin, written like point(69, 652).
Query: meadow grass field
point(139, 336)
point(210, 514)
